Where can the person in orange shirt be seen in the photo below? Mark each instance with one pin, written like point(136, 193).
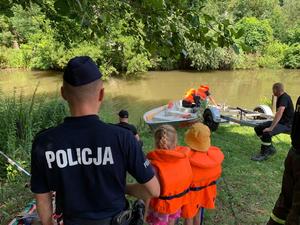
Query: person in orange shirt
point(173, 168)
point(198, 98)
point(204, 94)
point(206, 162)
point(188, 100)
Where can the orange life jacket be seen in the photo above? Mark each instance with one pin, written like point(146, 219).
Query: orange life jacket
point(189, 96)
point(175, 176)
point(202, 91)
point(207, 169)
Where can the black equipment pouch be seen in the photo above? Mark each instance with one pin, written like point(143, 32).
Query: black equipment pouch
point(134, 216)
point(123, 218)
point(138, 211)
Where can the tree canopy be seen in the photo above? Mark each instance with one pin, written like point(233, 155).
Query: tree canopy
point(135, 36)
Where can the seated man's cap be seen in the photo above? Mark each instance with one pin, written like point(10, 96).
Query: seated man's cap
point(81, 70)
point(123, 114)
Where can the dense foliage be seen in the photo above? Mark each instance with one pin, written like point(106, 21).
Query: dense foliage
point(135, 36)
point(257, 33)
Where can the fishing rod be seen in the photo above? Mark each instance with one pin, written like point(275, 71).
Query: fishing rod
point(14, 163)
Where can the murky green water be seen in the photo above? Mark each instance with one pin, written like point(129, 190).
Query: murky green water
point(235, 88)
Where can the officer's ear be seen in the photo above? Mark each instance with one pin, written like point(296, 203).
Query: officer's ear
point(63, 93)
point(101, 94)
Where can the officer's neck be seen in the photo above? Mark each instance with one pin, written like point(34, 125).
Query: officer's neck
point(83, 110)
point(123, 120)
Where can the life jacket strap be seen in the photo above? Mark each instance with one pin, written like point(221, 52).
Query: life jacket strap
point(202, 187)
point(174, 196)
point(186, 191)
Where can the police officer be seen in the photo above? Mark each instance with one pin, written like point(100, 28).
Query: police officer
point(287, 208)
point(281, 123)
point(85, 160)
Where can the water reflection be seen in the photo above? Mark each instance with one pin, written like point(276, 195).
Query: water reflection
point(236, 88)
point(25, 82)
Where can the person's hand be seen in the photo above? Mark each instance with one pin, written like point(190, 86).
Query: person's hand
point(268, 129)
point(218, 106)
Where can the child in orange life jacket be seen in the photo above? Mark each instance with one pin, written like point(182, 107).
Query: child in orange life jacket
point(206, 163)
point(175, 175)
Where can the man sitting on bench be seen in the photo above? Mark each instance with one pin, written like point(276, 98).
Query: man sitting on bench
point(281, 123)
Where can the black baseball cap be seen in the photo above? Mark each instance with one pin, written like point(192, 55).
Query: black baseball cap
point(81, 70)
point(123, 114)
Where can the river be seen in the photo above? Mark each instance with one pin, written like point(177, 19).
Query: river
point(245, 88)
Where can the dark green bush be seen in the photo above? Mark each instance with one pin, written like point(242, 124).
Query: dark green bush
point(3, 59)
point(273, 55)
point(257, 33)
point(292, 57)
point(210, 59)
point(294, 35)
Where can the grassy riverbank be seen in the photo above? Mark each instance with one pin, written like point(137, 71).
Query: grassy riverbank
point(247, 190)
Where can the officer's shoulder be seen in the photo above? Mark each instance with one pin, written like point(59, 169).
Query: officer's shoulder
point(118, 129)
point(132, 126)
point(44, 133)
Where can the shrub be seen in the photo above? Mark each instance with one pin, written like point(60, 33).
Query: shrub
point(3, 58)
point(246, 61)
point(227, 58)
point(166, 63)
point(294, 35)
point(209, 59)
point(292, 57)
point(273, 55)
point(256, 8)
point(138, 63)
point(92, 49)
point(6, 37)
point(257, 33)
point(15, 58)
point(40, 50)
point(107, 70)
point(11, 58)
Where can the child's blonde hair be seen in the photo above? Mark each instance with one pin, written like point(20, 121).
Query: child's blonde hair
point(165, 137)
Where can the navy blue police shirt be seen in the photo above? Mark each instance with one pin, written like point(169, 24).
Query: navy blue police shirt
point(85, 161)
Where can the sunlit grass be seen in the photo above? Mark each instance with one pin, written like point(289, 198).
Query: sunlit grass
point(247, 189)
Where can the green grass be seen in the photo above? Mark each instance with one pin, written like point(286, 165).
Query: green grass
point(247, 189)
point(14, 196)
point(20, 119)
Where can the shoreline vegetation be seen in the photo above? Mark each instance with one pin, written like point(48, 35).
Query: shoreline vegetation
point(152, 35)
point(247, 189)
